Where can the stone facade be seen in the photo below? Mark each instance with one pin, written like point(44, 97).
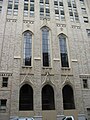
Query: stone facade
point(11, 61)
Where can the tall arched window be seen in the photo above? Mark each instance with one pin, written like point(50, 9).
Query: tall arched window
point(63, 51)
point(26, 98)
point(27, 48)
point(48, 98)
point(68, 97)
point(45, 46)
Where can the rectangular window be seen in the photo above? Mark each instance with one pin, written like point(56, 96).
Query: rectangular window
point(69, 4)
point(59, 10)
point(73, 11)
point(15, 11)
point(85, 19)
point(3, 105)
point(88, 113)
point(46, 1)
point(88, 32)
point(84, 10)
point(10, 7)
point(0, 8)
point(5, 82)
point(55, 2)
point(85, 83)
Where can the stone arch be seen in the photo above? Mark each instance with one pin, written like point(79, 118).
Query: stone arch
point(26, 98)
point(68, 97)
point(62, 34)
point(48, 102)
point(25, 31)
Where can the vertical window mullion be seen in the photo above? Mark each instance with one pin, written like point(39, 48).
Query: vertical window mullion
point(63, 51)
point(45, 47)
point(27, 48)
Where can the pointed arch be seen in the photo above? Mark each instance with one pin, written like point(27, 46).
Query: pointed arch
point(63, 50)
point(45, 27)
point(27, 48)
point(26, 98)
point(46, 46)
point(48, 98)
point(68, 97)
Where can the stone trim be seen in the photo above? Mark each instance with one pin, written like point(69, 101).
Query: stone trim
point(5, 74)
point(84, 76)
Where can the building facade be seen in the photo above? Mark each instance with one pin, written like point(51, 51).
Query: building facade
point(44, 59)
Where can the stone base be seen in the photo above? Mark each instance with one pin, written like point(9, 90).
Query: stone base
point(81, 117)
point(26, 118)
point(59, 117)
point(38, 117)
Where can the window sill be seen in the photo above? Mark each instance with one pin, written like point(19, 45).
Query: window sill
point(85, 89)
point(26, 66)
point(46, 67)
point(65, 68)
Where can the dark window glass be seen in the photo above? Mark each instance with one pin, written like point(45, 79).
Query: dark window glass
point(26, 6)
point(55, 2)
point(69, 4)
point(41, 9)
point(41, 1)
point(85, 19)
point(88, 32)
point(9, 6)
point(56, 11)
point(26, 98)
point(45, 46)
point(74, 5)
point(27, 48)
point(48, 98)
point(31, 0)
point(47, 10)
point(68, 97)
point(5, 82)
point(31, 7)
point(16, 7)
point(60, 3)
point(85, 83)
point(3, 102)
point(71, 13)
point(62, 12)
point(63, 51)
point(46, 1)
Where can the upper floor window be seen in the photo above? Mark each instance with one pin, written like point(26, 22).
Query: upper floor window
point(88, 32)
point(27, 48)
point(12, 7)
point(85, 19)
point(0, 8)
point(73, 10)
point(82, 2)
point(63, 51)
point(29, 7)
point(5, 82)
point(3, 105)
point(85, 83)
point(44, 8)
point(45, 46)
point(59, 10)
point(1, 1)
